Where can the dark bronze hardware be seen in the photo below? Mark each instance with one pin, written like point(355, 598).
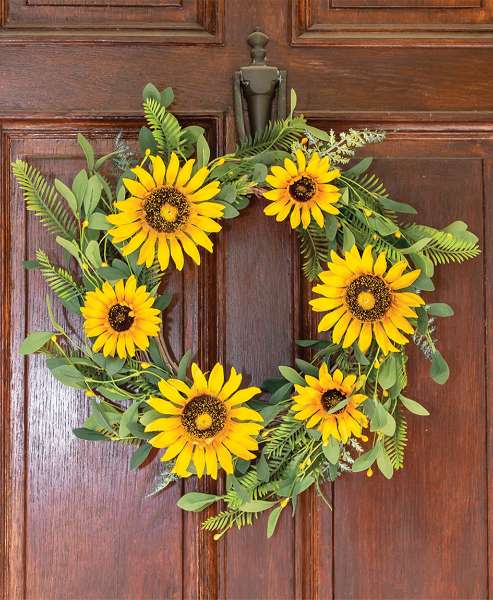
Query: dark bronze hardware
point(256, 86)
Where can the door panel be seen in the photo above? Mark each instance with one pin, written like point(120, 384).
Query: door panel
point(77, 522)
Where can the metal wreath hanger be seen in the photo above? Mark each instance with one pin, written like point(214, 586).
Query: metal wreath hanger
point(255, 88)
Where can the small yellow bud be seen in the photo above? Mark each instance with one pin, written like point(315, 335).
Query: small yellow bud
point(145, 365)
point(375, 236)
point(220, 162)
point(368, 212)
point(90, 393)
point(53, 338)
point(84, 266)
point(217, 537)
point(369, 473)
point(397, 234)
point(265, 433)
point(377, 364)
point(85, 224)
point(147, 152)
point(104, 264)
point(283, 502)
point(385, 394)
point(364, 438)
point(304, 141)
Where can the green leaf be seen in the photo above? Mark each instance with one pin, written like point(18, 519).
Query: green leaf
point(162, 302)
point(113, 365)
point(203, 152)
point(272, 521)
point(167, 97)
point(68, 194)
point(98, 221)
point(79, 185)
point(140, 455)
point(92, 253)
point(147, 141)
point(320, 134)
point(348, 239)
point(255, 506)
point(263, 472)
point(151, 91)
point(439, 370)
point(196, 501)
point(440, 309)
point(183, 365)
point(413, 406)
point(400, 207)
point(359, 168)
point(384, 463)
point(365, 461)
point(83, 433)
point(92, 195)
point(35, 341)
point(387, 374)
point(87, 149)
point(70, 247)
point(416, 247)
point(129, 416)
point(306, 367)
point(69, 375)
point(332, 450)
point(291, 375)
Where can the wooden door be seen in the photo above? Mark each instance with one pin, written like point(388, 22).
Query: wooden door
point(76, 523)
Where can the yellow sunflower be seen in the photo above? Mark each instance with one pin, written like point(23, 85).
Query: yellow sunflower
point(121, 317)
point(363, 300)
point(324, 394)
point(168, 212)
point(302, 189)
point(205, 423)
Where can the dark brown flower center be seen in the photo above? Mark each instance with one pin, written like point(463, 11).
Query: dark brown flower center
point(303, 189)
point(165, 209)
point(120, 318)
point(332, 398)
point(204, 416)
point(368, 298)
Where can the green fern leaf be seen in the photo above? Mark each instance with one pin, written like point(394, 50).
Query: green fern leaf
point(164, 126)
point(315, 248)
point(278, 134)
point(43, 200)
point(444, 246)
point(396, 444)
point(60, 281)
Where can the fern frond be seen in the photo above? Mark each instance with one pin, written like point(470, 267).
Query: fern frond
point(364, 235)
point(278, 134)
point(396, 444)
point(227, 519)
point(43, 200)
point(444, 246)
point(314, 247)
point(164, 126)
point(60, 281)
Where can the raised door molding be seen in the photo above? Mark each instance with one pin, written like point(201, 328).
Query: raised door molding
point(155, 21)
point(392, 23)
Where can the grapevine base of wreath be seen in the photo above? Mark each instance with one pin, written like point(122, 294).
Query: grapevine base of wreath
point(124, 222)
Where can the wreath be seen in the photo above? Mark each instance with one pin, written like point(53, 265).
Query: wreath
point(124, 224)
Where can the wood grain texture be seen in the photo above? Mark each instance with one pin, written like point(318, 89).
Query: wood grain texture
point(76, 523)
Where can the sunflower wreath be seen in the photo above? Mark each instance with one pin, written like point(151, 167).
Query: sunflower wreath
point(124, 222)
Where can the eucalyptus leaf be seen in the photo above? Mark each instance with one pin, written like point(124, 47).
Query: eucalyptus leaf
point(68, 194)
point(439, 370)
point(440, 309)
point(140, 455)
point(35, 341)
point(272, 521)
point(291, 375)
point(87, 149)
point(359, 168)
point(365, 461)
point(332, 450)
point(255, 506)
point(196, 501)
point(384, 463)
point(83, 433)
point(413, 406)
